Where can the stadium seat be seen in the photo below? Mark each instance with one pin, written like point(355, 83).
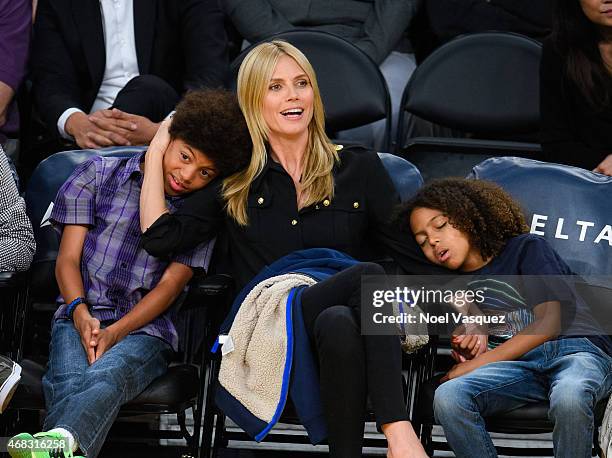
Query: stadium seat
point(354, 91)
point(176, 391)
point(568, 206)
point(486, 85)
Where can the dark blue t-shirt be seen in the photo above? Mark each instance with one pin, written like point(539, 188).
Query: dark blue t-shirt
point(531, 257)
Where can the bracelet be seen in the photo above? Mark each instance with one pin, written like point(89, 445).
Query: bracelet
point(73, 305)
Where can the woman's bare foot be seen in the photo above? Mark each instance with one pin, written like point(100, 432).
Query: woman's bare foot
point(402, 441)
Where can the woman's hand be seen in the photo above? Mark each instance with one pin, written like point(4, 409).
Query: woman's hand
point(605, 166)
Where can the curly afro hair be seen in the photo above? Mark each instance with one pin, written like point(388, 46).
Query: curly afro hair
point(210, 120)
point(486, 213)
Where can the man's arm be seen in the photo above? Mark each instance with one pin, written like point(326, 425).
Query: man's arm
point(255, 19)
point(55, 81)
point(16, 237)
point(6, 95)
point(15, 32)
point(385, 26)
point(204, 44)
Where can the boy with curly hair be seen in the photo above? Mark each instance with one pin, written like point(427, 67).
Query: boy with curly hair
point(475, 227)
point(112, 335)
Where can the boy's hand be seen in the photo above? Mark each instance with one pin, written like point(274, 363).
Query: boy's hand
point(107, 337)
point(160, 141)
point(88, 328)
point(466, 347)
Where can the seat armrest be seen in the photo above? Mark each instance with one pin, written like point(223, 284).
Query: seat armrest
point(471, 146)
point(213, 285)
point(207, 291)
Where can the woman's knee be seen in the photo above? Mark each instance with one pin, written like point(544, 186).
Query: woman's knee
point(337, 330)
point(370, 268)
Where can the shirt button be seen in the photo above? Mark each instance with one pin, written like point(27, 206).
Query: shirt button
point(293, 222)
point(260, 201)
point(317, 207)
point(326, 202)
point(124, 265)
point(355, 204)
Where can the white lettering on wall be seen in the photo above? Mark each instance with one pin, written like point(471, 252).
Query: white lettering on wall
point(539, 223)
point(584, 226)
point(605, 234)
point(558, 234)
point(535, 223)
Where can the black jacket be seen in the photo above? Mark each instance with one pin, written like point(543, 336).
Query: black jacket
point(181, 41)
point(356, 221)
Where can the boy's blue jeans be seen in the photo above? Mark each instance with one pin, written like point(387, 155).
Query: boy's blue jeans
point(573, 374)
point(85, 399)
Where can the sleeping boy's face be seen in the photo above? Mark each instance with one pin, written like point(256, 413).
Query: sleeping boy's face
point(186, 169)
point(442, 243)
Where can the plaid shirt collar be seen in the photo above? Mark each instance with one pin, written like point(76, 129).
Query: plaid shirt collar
point(132, 168)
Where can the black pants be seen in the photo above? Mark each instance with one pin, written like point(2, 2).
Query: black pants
point(352, 366)
point(148, 96)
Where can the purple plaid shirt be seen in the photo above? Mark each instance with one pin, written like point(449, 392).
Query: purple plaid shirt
point(104, 193)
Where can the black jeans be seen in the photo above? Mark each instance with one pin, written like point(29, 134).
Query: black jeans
point(352, 366)
point(148, 96)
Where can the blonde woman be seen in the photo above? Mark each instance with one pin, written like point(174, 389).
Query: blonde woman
point(302, 191)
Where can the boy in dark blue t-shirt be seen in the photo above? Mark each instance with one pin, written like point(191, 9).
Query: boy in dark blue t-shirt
point(475, 227)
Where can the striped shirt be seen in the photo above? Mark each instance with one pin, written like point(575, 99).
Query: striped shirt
point(103, 193)
point(16, 237)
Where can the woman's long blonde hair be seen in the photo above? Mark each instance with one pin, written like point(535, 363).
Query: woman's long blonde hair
point(320, 155)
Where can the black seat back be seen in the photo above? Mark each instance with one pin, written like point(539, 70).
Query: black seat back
point(485, 84)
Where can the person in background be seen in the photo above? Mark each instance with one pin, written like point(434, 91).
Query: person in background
point(17, 243)
point(576, 86)
point(17, 248)
point(15, 33)
point(106, 72)
point(448, 19)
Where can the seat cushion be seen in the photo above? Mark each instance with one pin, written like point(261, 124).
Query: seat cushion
point(172, 392)
point(529, 419)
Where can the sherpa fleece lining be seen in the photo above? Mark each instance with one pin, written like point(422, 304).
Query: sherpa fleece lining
point(253, 371)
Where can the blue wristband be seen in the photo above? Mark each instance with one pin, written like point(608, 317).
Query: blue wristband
point(73, 305)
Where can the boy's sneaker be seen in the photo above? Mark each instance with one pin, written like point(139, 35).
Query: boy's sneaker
point(40, 445)
point(10, 374)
